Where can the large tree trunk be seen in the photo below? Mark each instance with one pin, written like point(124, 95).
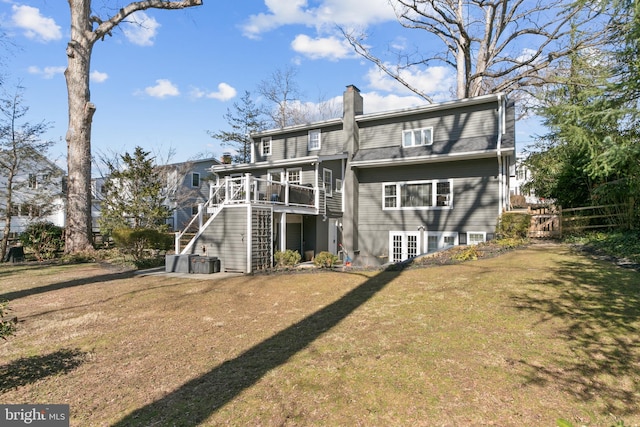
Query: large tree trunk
point(78, 229)
point(83, 37)
point(8, 214)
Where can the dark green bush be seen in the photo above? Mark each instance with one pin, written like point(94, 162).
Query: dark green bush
point(43, 238)
point(137, 241)
point(325, 260)
point(286, 259)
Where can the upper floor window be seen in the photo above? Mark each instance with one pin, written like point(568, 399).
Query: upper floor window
point(416, 137)
point(314, 140)
point(294, 176)
point(327, 179)
point(416, 195)
point(33, 180)
point(265, 146)
point(195, 179)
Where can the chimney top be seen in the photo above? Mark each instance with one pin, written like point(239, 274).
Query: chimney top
point(351, 88)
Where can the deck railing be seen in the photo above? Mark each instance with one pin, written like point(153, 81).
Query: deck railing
point(247, 189)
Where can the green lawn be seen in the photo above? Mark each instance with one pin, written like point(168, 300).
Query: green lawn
point(522, 339)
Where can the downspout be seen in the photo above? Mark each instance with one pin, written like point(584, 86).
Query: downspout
point(499, 153)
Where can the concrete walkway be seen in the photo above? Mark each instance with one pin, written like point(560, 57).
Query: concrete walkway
point(160, 271)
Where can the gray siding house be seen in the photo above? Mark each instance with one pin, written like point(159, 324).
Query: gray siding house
point(187, 187)
point(373, 188)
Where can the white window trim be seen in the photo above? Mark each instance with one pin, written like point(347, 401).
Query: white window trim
point(338, 185)
point(413, 142)
point(328, 193)
point(319, 140)
point(434, 201)
point(262, 146)
point(193, 175)
point(440, 235)
point(273, 172)
point(404, 248)
point(299, 170)
point(484, 237)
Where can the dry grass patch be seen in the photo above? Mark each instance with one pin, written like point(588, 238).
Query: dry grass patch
point(526, 338)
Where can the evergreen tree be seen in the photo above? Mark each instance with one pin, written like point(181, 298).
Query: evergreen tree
point(244, 119)
point(133, 194)
point(592, 153)
point(560, 165)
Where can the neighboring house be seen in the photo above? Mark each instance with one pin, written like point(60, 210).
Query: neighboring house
point(189, 185)
point(187, 188)
point(520, 175)
point(375, 188)
point(38, 194)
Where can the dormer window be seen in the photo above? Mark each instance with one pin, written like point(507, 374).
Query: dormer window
point(314, 140)
point(417, 137)
point(265, 146)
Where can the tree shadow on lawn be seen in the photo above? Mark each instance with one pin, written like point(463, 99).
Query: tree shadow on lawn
point(600, 306)
point(67, 284)
point(197, 399)
point(28, 370)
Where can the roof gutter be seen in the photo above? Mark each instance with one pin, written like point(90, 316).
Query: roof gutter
point(435, 158)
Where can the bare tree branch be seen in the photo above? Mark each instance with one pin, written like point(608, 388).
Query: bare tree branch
point(491, 45)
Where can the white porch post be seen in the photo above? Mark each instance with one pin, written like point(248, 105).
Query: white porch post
point(200, 216)
point(247, 188)
point(283, 232)
point(286, 193)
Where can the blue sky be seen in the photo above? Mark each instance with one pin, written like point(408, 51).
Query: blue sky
point(163, 84)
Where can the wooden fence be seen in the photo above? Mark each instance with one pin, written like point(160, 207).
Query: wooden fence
point(553, 221)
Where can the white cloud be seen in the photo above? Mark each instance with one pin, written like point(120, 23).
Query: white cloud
point(140, 29)
point(435, 82)
point(98, 77)
point(526, 54)
point(35, 25)
point(46, 72)
point(375, 102)
point(225, 92)
point(330, 48)
point(328, 13)
point(163, 88)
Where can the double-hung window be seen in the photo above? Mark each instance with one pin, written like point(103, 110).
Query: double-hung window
point(314, 140)
point(293, 176)
point(416, 137)
point(265, 146)
point(327, 179)
point(417, 195)
point(33, 180)
point(195, 180)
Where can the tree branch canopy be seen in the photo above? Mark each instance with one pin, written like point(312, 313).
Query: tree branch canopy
point(105, 27)
point(491, 45)
point(81, 109)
